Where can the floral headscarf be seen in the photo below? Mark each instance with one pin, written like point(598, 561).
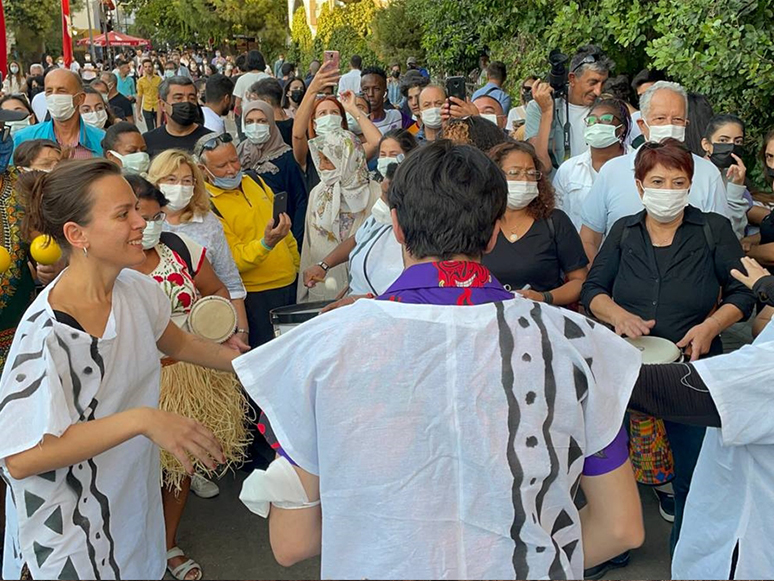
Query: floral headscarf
point(259, 157)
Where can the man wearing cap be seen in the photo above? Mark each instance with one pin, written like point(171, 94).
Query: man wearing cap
point(64, 96)
point(412, 65)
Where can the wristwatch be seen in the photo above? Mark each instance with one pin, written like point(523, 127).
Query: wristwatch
point(322, 264)
point(548, 298)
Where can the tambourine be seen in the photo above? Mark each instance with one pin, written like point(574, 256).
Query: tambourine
point(213, 318)
point(656, 350)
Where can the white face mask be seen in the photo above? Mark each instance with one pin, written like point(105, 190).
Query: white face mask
point(489, 117)
point(600, 136)
point(61, 107)
point(151, 234)
point(257, 133)
point(95, 118)
point(17, 125)
point(664, 205)
point(384, 162)
point(353, 125)
point(521, 193)
point(137, 162)
point(14, 69)
point(381, 212)
point(329, 176)
point(431, 117)
point(326, 124)
point(177, 195)
point(660, 132)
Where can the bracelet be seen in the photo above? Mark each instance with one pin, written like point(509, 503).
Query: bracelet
point(548, 298)
point(241, 331)
point(266, 246)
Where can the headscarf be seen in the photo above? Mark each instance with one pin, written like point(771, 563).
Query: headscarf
point(344, 189)
point(259, 157)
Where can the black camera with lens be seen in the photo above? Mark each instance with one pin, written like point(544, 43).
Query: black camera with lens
point(557, 76)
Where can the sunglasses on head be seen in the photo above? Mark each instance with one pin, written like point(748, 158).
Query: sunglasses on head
point(213, 143)
point(587, 60)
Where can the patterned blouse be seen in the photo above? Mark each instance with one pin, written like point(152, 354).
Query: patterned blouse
point(176, 281)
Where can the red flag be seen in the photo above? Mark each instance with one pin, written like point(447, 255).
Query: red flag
point(3, 46)
point(67, 39)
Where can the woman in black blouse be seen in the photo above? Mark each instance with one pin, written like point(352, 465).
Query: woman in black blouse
point(660, 272)
point(538, 254)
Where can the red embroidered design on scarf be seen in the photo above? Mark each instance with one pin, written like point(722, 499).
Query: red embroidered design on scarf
point(455, 273)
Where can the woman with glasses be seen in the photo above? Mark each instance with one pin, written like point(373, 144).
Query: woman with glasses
point(212, 398)
point(538, 252)
point(607, 129)
point(665, 272)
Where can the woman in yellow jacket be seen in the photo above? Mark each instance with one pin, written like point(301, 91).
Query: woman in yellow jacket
point(265, 254)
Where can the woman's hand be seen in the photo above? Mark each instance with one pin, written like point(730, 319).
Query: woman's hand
point(755, 272)
point(236, 343)
point(327, 76)
point(347, 100)
point(737, 172)
point(531, 295)
point(182, 437)
point(698, 339)
point(273, 235)
point(313, 275)
point(629, 325)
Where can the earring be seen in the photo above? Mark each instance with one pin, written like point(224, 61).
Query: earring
point(85, 252)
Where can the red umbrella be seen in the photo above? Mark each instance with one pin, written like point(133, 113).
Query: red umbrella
point(116, 39)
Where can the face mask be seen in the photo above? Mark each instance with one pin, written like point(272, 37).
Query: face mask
point(353, 125)
point(521, 193)
point(227, 183)
point(296, 96)
point(151, 234)
point(257, 133)
point(383, 163)
point(721, 154)
point(169, 73)
point(95, 118)
point(17, 125)
point(185, 113)
point(489, 117)
point(432, 117)
point(600, 136)
point(395, 74)
point(60, 106)
point(136, 163)
point(177, 195)
point(660, 132)
point(329, 176)
point(14, 69)
point(326, 124)
point(381, 212)
point(664, 205)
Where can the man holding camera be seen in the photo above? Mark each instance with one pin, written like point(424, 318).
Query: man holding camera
point(555, 101)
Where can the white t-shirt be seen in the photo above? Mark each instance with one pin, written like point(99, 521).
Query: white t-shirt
point(350, 82)
point(572, 183)
point(39, 106)
point(578, 114)
point(245, 81)
point(450, 446)
point(732, 499)
point(101, 518)
point(377, 259)
point(213, 121)
point(392, 120)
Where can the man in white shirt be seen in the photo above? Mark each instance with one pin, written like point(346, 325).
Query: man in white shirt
point(351, 81)
point(614, 194)
point(588, 71)
point(373, 85)
point(217, 95)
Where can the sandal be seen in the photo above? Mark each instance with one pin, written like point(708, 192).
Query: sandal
point(181, 571)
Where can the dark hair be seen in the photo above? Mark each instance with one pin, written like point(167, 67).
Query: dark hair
point(62, 196)
point(718, 121)
point(255, 61)
point(766, 140)
point(287, 68)
point(670, 153)
point(268, 90)
point(285, 99)
point(145, 190)
point(411, 80)
point(448, 199)
point(178, 80)
point(114, 132)
point(475, 131)
point(497, 71)
point(216, 87)
point(406, 140)
point(647, 76)
point(111, 117)
point(21, 98)
point(374, 70)
point(356, 61)
point(541, 207)
point(621, 111)
point(146, 60)
point(97, 81)
point(618, 88)
point(27, 151)
point(240, 61)
point(699, 115)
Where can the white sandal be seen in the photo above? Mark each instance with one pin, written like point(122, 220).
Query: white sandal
point(181, 571)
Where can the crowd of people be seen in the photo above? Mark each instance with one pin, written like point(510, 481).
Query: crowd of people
point(487, 253)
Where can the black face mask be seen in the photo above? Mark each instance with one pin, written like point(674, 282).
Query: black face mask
point(721, 154)
point(185, 114)
point(395, 74)
point(296, 96)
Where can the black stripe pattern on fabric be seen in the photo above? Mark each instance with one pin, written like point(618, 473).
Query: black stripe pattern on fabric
point(27, 392)
point(81, 521)
point(97, 357)
point(73, 376)
point(520, 565)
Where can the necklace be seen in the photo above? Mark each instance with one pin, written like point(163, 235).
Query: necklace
point(513, 234)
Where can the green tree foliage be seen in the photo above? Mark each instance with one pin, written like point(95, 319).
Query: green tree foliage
point(347, 29)
point(36, 26)
point(300, 51)
point(396, 36)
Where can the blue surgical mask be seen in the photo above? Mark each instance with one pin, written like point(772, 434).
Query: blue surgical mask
point(6, 150)
point(227, 183)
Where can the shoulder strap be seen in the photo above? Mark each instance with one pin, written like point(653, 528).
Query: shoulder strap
point(214, 209)
point(709, 236)
point(551, 227)
point(176, 244)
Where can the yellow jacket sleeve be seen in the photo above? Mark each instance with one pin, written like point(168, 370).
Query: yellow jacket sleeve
point(290, 240)
point(247, 255)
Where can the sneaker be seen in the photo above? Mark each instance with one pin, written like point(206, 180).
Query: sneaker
point(203, 488)
point(666, 505)
point(599, 571)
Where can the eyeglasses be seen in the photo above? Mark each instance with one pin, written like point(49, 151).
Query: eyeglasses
point(213, 143)
point(587, 60)
point(160, 217)
point(606, 119)
point(531, 175)
point(174, 181)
